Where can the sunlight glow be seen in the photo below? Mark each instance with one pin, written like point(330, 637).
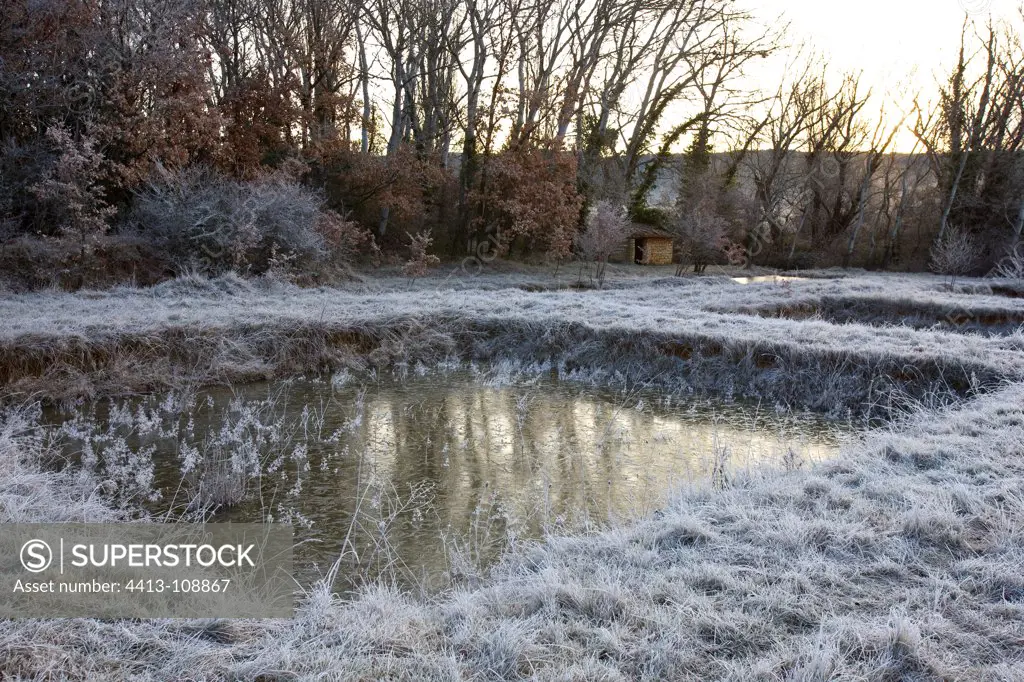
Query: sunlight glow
point(901, 46)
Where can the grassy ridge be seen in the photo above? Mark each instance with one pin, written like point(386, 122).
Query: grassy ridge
point(687, 334)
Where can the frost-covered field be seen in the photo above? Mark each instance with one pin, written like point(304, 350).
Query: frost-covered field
point(901, 560)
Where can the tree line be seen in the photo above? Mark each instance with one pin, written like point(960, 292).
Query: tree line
point(257, 134)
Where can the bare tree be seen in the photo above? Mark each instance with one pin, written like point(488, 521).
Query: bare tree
point(881, 141)
point(606, 232)
point(955, 253)
point(701, 223)
point(704, 238)
point(974, 137)
point(706, 55)
point(780, 176)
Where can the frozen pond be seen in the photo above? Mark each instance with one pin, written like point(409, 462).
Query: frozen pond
point(431, 475)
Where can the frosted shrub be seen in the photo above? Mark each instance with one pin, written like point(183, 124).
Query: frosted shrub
point(217, 468)
point(607, 229)
point(419, 260)
point(1010, 266)
point(112, 456)
point(954, 254)
point(205, 220)
point(70, 190)
point(703, 237)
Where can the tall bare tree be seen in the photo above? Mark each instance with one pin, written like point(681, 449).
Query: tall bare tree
point(974, 137)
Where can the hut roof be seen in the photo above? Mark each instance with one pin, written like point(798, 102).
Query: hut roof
point(647, 232)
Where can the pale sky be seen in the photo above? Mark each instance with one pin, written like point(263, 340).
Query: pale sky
point(899, 44)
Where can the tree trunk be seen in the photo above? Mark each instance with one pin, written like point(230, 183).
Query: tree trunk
point(954, 188)
point(364, 78)
point(1018, 228)
point(861, 205)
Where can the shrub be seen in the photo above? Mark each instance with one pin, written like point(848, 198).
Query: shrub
point(207, 221)
point(419, 260)
point(607, 229)
point(532, 202)
point(954, 254)
point(346, 239)
point(28, 263)
point(69, 193)
point(1011, 265)
point(703, 237)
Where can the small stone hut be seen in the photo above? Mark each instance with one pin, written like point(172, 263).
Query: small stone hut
point(646, 246)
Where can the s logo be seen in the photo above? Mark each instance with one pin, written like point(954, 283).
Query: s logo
point(36, 556)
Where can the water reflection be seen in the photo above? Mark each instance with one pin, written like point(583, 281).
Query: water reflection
point(775, 279)
point(397, 476)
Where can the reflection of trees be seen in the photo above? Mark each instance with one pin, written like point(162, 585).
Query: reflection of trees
point(579, 453)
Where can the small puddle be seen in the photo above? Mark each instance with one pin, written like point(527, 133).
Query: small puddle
point(767, 278)
point(405, 475)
